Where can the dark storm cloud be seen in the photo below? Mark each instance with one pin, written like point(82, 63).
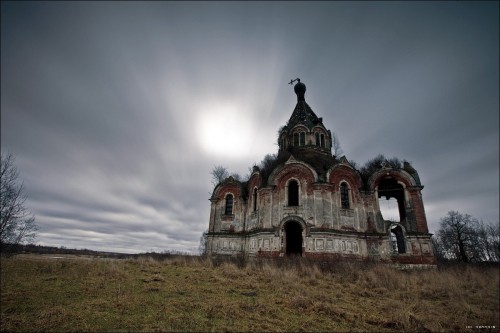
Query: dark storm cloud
point(104, 104)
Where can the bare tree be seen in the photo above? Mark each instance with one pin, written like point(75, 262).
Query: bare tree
point(236, 176)
point(202, 249)
point(464, 238)
point(488, 240)
point(219, 173)
point(354, 164)
point(493, 231)
point(17, 223)
point(268, 162)
point(458, 236)
point(439, 251)
point(482, 249)
point(337, 150)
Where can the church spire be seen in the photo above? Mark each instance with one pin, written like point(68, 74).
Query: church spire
point(302, 113)
point(304, 130)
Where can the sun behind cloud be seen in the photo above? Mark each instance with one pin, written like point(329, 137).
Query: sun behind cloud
point(225, 129)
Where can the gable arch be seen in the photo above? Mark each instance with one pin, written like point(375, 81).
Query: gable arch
point(399, 175)
point(299, 128)
point(345, 172)
point(255, 180)
point(227, 186)
point(292, 168)
point(320, 129)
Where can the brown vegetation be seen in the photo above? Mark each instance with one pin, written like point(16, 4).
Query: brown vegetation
point(190, 294)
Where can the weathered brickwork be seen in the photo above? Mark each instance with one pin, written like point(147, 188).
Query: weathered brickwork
point(316, 205)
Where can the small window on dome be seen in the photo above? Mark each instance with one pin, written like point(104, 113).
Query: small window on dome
point(296, 139)
point(302, 138)
point(322, 140)
point(317, 138)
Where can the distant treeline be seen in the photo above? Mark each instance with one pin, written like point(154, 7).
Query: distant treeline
point(41, 249)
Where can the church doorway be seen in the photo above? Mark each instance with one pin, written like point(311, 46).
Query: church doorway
point(293, 238)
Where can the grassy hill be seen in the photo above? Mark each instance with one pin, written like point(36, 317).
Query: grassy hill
point(78, 293)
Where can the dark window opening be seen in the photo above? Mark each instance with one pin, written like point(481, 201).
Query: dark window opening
point(229, 205)
point(322, 140)
point(344, 196)
point(293, 238)
point(293, 193)
point(317, 139)
point(254, 199)
point(302, 138)
point(397, 239)
point(296, 139)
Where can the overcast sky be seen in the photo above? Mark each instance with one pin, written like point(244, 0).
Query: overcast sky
point(117, 111)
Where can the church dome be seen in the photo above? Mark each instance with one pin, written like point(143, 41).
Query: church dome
point(300, 90)
point(304, 131)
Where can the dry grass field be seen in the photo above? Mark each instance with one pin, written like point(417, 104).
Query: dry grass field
point(40, 293)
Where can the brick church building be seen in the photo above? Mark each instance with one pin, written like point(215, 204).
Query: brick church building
point(310, 203)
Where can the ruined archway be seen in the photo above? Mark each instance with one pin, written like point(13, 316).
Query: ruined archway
point(293, 238)
point(389, 188)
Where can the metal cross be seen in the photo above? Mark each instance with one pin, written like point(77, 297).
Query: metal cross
point(292, 81)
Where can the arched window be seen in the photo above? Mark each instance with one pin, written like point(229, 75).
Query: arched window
point(293, 193)
point(344, 196)
point(283, 142)
point(317, 138)
point(295, 139)
point(254, 199)
point(229, 205)
point(302, 138)
point(322, 140)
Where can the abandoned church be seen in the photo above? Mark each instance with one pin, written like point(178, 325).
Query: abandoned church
point(307, 202)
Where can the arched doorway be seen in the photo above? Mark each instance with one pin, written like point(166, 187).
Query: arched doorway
point(293, 238)
point(397, 239)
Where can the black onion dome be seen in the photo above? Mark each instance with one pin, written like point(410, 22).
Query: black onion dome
point(302, 113)
point(300, 90)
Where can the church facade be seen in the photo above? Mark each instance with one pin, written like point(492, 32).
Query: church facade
point(307, 202)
